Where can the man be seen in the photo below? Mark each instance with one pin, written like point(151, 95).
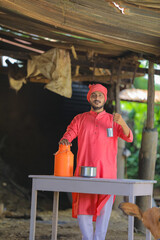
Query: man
point(96, 149)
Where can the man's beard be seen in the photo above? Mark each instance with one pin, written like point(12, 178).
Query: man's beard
point(96, 107)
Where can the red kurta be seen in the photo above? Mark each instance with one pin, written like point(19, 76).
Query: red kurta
point(97, 150)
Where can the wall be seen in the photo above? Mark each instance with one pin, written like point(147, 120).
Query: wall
point(32, 121)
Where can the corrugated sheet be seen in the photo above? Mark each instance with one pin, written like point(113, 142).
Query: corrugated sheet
point(78, 103)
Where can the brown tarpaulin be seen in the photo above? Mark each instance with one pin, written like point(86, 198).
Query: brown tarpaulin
point(55, 65)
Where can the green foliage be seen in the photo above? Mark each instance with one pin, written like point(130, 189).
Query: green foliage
point(132, 164)
point(142, 83)
point(137, 113)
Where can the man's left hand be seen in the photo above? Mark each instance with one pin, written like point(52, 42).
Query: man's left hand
point(118, 118)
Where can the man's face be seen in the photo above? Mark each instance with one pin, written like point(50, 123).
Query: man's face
point(97, 100)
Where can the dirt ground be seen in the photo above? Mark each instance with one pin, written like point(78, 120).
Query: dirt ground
point(18, 229)
point(15, 220)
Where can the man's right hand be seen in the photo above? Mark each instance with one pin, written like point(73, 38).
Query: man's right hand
point(65, 142)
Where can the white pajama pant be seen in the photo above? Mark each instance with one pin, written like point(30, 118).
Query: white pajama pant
point(101, 225)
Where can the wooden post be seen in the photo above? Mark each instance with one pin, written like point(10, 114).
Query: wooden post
point(151, 96)
point(148, 151)
point(117, 88)
point(117, 99)
point(121, 143)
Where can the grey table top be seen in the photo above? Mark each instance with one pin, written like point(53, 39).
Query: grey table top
point(74, 178)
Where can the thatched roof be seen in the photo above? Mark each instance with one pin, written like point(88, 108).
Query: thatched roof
point(137, 95)
point(99, 26)
point(99, 33)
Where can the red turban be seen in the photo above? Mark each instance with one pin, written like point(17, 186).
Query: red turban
point(97, 87)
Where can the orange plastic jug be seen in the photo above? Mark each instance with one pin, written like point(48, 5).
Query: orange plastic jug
point(63, 162)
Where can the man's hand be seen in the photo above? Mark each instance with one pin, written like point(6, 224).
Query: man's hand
point(65, 142)
point(118, 119)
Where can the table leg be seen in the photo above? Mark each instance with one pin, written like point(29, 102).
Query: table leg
point(131, 221)
point(55, 215)
point(33, 212)
point(148, 233)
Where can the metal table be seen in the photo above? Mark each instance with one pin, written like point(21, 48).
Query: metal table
point(123, 187)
